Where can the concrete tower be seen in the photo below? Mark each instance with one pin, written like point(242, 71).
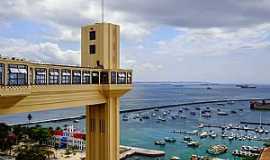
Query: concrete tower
point(100, 48)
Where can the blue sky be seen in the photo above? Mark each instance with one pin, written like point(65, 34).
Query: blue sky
point(187, 40)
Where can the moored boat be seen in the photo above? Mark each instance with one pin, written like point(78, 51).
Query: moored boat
point(217, 149)
point(160, 142)
point(193, 144)
point(175, 158)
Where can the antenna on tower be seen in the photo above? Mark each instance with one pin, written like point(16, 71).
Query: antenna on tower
point(102, 11)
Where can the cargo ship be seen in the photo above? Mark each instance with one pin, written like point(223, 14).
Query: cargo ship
point(260, 105)
point(245, 86)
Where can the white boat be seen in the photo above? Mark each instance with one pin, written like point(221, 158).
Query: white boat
point(201, 125)
point(175, 158)
point(204, 134)
point(221, 113)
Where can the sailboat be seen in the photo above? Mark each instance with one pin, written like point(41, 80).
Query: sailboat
point(260, 129)
point(201, 125)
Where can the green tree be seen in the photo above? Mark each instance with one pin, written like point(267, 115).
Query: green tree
point(4, 132)
point(33, 153)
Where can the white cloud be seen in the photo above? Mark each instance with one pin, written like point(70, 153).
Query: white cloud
point(216, 41)
point(42, 52)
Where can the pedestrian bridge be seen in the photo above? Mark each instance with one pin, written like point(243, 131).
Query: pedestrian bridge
point(27, 86)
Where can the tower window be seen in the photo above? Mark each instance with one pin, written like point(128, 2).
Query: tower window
point(92, 49)
point(92, 35)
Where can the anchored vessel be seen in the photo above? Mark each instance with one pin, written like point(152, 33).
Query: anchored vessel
point(260, 105)
point(97, 84)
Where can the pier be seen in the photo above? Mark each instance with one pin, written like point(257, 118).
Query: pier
point(256, 123)
point(190, 103)
point(131, 151)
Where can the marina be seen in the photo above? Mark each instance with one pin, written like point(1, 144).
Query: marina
point(161, 121)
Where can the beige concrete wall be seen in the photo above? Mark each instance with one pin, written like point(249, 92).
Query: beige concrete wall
point(107, 45)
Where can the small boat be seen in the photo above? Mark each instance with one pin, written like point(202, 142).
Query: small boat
point(195, 132)
point(145, 116)
point(204, 134)
point(221, 113)
point(233, 112)
point(193, 144)
point(161, 119)
point(198, 108)
point(230, 102)
point(206, 115)
point(193, 113)
point(160, 142)
point(173, 117)
point(183, 117)
point(230, 138)
point(245, 86)
point(76, 121)
point(170, 139)
point(175, 158)
point(180, 111)
point(208, 88)
point(125, 117)
point(217, 149)
point(201, 125)
point(186, 109)
point(188, 139)
point(213, 135)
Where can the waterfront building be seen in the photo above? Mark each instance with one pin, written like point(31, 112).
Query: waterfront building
point(97, 84)
point(69, 138)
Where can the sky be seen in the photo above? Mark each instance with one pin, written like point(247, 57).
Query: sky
point(224, 41)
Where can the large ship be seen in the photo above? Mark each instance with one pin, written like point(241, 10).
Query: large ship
point(245, 86)
point(260, 105)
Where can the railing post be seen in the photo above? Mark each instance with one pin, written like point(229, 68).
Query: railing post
point(110, 77)
point(6, 74)
point(99, 77)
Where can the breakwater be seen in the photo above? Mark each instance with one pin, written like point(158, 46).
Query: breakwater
point(140, 109)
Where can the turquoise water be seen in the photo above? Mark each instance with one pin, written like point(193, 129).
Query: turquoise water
point(144, 133)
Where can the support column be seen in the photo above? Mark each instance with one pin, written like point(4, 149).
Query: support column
point(103, 130)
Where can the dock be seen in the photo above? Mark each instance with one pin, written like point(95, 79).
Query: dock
point(256, 123)
point(131, 151)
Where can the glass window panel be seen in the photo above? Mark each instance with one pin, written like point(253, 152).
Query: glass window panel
point(121, 78)
point(54, 76)
point(86, 77)
point(41, 77)
point(113, 78)
point(104, 78)
point(17, 74)
point(95, 78)
point(76, 77)
point(66, 77)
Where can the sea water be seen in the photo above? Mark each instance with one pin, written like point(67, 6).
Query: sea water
point(143, 133)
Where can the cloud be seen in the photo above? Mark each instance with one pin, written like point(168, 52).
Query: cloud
point(41, 52)
point(216, 41)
